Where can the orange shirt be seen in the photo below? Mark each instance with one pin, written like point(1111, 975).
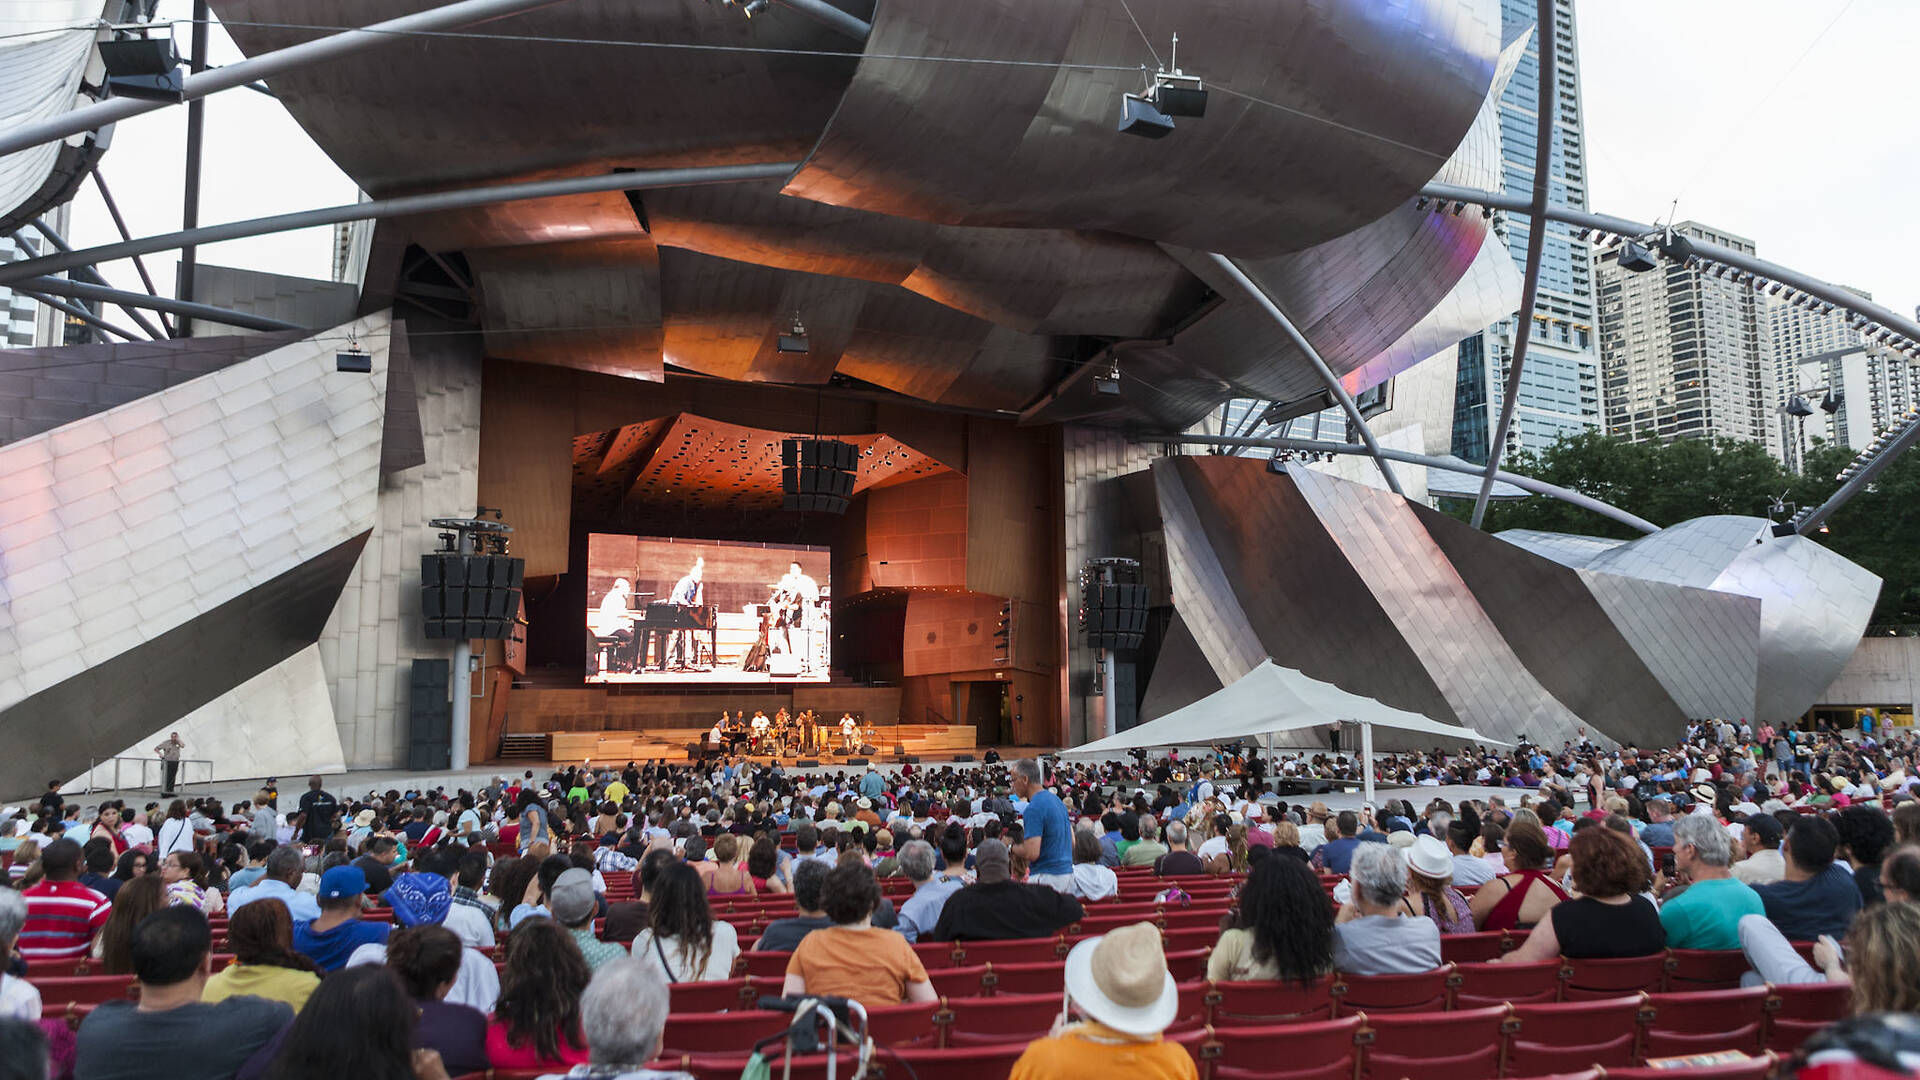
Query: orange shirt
point(1088, 1051)
point(870, 966)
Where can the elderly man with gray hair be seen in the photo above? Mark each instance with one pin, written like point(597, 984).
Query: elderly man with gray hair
point(19, 998)
point(1376, 933)
point(622, 1013)
point(921, 911)
point(1706, 914)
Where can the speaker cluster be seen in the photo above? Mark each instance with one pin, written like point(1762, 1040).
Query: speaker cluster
point(817, 474)
point(1113, 616)
point(463, 597)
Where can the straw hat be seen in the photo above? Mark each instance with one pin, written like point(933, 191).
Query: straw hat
point(1120, 979)
point(1704, 792)
point(1430, 857)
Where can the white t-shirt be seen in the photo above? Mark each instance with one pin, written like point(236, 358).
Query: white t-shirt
point(1215, 845)
point(474, 929)
point(478, 983)
point(19, 999)
point(726, 946)
point(136, 835)
point(175, 835)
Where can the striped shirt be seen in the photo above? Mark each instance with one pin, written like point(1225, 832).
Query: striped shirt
point(62, 919)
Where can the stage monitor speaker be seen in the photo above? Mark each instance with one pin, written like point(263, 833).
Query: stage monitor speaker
point(963, 757)
point(910, 759)
point(429, 716)
point(868, 750)
point(857, 761)
point(817, 474)
point(806, 763)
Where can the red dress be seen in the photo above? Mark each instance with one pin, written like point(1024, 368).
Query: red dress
point(1506, 913)
point(505, 1055)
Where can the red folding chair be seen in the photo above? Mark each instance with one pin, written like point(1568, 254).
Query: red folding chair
point(1017, 951)
point(1594, 979)
point(1477, 985)
point(1466, 1044)
point(1318, 1051)
point(86, 989)
point(766, 965)
point(1252, 1003)
point(958, 981)
point(1802, 1009)
point(705, 997)
point(1189, 965)
point(729, 1066)
point(988, 1061)
point(1471, 948)
point(1758, 1068)
point(934, 954)
point(1704, 1021)
point(1603, 1033)
point(1422, 992)
point(908, 1024)
point(719, 1032)
point(1705, 969)
point(971, 1021)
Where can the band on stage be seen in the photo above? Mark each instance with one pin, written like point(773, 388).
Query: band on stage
point(783, 734)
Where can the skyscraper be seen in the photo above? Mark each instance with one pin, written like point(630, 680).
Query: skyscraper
point(17, 312)
point(1850, 395)
point(1560, 383)
point(1808, 343)
point(1687, 354)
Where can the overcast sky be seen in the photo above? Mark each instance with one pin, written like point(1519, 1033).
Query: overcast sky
point(1741, 109)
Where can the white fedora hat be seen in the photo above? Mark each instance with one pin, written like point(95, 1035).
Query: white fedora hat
point(1120, 979)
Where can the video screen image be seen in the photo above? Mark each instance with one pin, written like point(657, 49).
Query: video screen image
point(706, 611)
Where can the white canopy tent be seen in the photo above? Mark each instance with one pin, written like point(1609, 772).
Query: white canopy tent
point(1271, 699)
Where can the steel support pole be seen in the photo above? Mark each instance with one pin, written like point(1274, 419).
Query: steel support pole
point(1858, 481)
point(265, 66)
point(196, 134)
point(1536, 243)
point(120, 226)
point(1528, 483)
point(87, 273)
point(86, 291)
point(832, 17)
point(1332, 382)
point(406, 204)
point(1366, 762)
point(461, 686)
point(80, 313)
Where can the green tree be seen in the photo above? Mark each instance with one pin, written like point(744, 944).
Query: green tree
point(1688, 478)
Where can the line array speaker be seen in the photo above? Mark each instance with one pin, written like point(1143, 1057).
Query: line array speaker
point(463, 597)
point(1114, 616)
point(429, 716)
point(817, 474)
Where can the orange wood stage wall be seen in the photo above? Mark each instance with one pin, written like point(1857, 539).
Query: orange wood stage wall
point(957, 544)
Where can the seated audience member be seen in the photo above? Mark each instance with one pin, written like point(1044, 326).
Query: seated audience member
point(1283, 928)
point(1865, 835)
point(1146, 851)
point(359, 1024)
point(1334, 856)
point(97, 856)
point(426, 900)
point(63, 916)
point(536, 1022)
point(470, 920)
point(1468, 869)
point(1816, 895)
point(330, 939)
point(427, 961)
point(24, 1052)
point(626, 919)
point(1520, 898)
point(1610, 918)
point(997, 907)
point(1284, 841)
point(921, 911)
point(572, 903)
point(169, 1033)
point(624, 1012)
point(19, 999)
point(1775, 961)
point(280, 881)
point(851, 958)
point(1091, 881)
point(1900, 875)
point(1707, 913)
point(784, 935)
point(185, 875)
point(113, 949)
point(1660, 822)
point(1119, 987)
point(1179, 861)
point(376, 861)
point(1431, 893)
point(260, 937)
point(1761, 862)
point(1883, 959)
point(682, 936)
point(1374, 933)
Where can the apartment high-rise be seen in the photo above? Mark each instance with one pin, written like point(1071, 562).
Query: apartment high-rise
point(1803, 334)
point(1560, 383)
point(1852, 394)
point(1686, 354)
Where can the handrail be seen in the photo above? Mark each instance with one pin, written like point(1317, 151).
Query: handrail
point(94, 763)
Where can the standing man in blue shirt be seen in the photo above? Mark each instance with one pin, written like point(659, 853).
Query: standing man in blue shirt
point(1048, 843)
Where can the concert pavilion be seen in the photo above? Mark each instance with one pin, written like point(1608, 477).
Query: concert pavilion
point(914, 228)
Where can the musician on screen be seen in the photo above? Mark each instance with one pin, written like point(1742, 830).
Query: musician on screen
point(612, 620)
point(794, 599)
point(686, 594)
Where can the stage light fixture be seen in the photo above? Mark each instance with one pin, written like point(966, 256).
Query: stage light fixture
point(1635, 258)
point(1458, 206)
point(1139, 116)
point(353, 359)
point(143, 67)
point(1108, 381)
point(1831, 403)
point(1422, 203)
point(753, 7)
point(795, 339)
point(1797, 406)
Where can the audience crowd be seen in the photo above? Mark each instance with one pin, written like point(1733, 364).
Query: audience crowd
point(435, 933)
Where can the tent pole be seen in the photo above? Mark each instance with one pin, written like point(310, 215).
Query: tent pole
point(1366, 761)
point(1273, 767)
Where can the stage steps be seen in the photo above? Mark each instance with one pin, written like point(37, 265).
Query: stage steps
point(525, 748)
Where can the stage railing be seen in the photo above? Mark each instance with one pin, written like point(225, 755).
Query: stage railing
point(94, 764)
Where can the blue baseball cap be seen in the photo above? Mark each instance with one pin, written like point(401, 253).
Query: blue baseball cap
point(342, 881)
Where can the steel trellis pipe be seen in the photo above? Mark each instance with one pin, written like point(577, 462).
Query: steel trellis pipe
point(1536, 244)
point(1259, 295)
point(827, 15)
point(129, 300)
point(406, 204)
point(80, 313)
point(266, 65)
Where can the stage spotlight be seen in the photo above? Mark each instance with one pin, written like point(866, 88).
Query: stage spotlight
point(1831, 403)
point(1422, 203)
point(1457, 207)
point(143, 67)
point(1108, 381)
point(1635, 258)
point(795, 339)
point(1797, 406)
point(1179, 94)
point(753, 7)
point(353, 359)
point(1138, 116)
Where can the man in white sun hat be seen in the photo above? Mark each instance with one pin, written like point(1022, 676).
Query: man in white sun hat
point(1119, 988)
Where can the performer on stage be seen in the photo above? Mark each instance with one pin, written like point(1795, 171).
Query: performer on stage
point(686, 594)
point(760, 725)
point(794, 599)
point(718, 736)
point(612, 620)
point(850, 732)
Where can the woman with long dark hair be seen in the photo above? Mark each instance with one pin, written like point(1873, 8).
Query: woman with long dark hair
point(682, 937)
point(509, 882)
point(260, 937)
point(358, 1024)
point(137, 899)
point(536, 1021)
point(133, 863)
point(427, 959)
point(176, 833)
point(1282, 930)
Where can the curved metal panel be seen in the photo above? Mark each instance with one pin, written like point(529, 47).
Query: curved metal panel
point(594, 305)
point(1358, 104)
